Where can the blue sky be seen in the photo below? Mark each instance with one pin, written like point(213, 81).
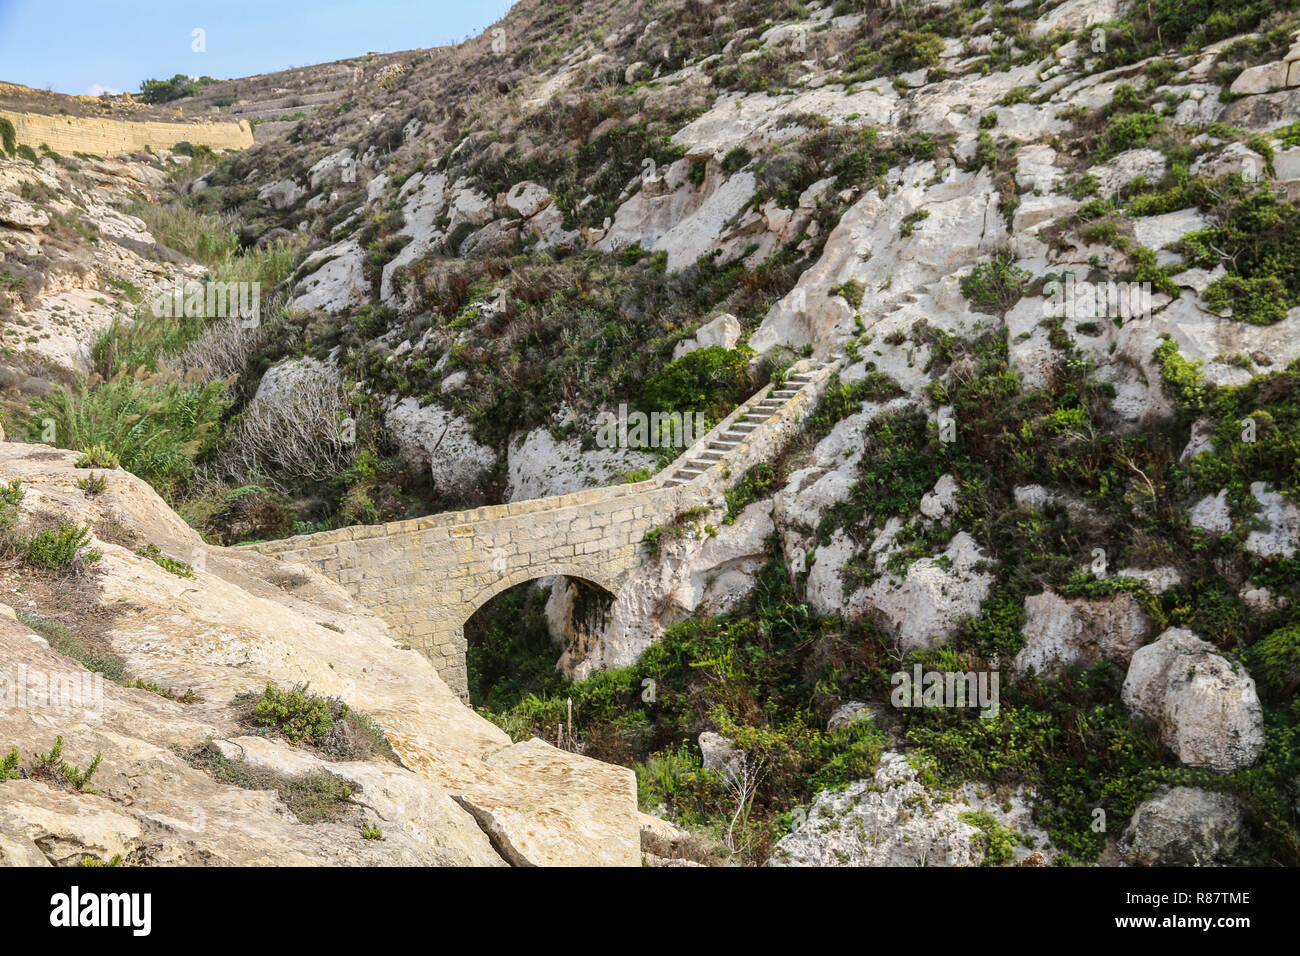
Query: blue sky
point(81, 46)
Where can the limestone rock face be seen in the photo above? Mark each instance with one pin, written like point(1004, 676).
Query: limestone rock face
point(1127, 166)
point(436, 438)
point(670, 214)
point(1062, 633)
point(962, 226)
point(333, 168)
point(538, 465)
point(893, 820)
point(1281, 534)
point(562, 809)
point(1260, 79)
point(1212, 514)
point(720, 755)
point(1207, 708)
point(282, 379)
point(1184, 826)
point(526, 198)
point(283, 194)
point(924, 609)
point(1079, 14)
point(1233, 158)
point(723, 331)
point(423, 199)
point(1156, 232)
point(21, 215)
point(338, 283)
point(61, 291)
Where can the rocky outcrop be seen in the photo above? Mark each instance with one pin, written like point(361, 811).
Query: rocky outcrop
point(923, 610)
point(1184, 826)
point(435, 438)
point(962, 225)
point(60, 289)
point(894, 820)
point(1063, 633)
point(1280, 536)
point(538, 465)
point(336, 281)
point(1206, 706)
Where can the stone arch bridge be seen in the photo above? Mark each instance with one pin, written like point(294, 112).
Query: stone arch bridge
point(426, 576)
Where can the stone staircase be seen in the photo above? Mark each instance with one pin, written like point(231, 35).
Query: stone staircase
point(716, 447)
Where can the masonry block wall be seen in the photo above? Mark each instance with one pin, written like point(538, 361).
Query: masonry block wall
point(111, 137)
point(426, 576)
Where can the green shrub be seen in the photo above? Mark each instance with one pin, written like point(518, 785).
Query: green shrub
point(11, 497)
point(1260, 300)
point(155, 428)
point(999, 840)
point(913, 50)
point(1127, 131)
point(851, 292)
point(712, 380)
point(93, 484)
point(297, 714)
point(326, 724)
point(1275, 660)
point(908, 224)
point(1258, 239)
point(995, 286)
point(59, 549)
point(1290, 135)
point(178, 87)
point(8, 136)
point(64, 641)
point(97, 456)
point(9, 769)
point(51, 767)
point(757, 483)
point(178, 568)
point(371, 833)
point(317, 797)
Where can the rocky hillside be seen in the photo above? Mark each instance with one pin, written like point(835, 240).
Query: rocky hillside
point(1051, 248)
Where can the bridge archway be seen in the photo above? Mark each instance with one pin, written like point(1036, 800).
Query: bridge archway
point(515, 637)
point(524, 575)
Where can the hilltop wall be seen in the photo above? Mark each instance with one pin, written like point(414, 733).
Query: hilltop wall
point(109, 137)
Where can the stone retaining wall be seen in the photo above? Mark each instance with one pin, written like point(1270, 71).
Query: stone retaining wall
point(111, 137)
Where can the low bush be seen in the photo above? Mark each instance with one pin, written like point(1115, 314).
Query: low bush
point(64, 548)
point(155, 428)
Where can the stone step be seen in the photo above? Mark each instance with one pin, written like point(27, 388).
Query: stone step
point(722, 445)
